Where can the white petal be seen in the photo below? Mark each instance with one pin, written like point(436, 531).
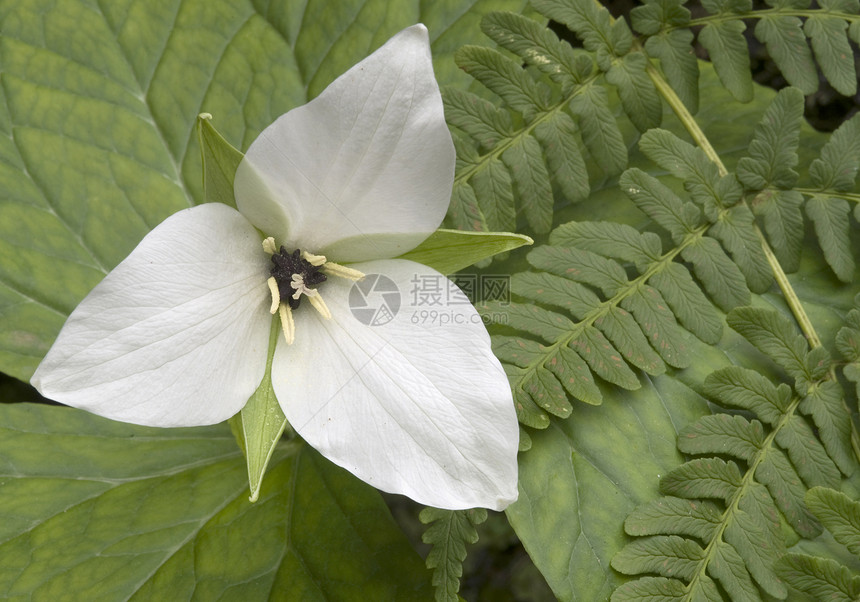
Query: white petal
point(416, 406)
point(175, 335)
point(365, 170)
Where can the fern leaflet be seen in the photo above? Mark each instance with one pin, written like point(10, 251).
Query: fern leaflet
point(720, 520)
point(825, 578)
point(449, 533)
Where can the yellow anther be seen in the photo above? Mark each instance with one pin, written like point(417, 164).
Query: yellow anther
point(335, 269)
point(320, 306)
point(269, 246)
point(276, 294)
point(287, 324)
point(315, 260)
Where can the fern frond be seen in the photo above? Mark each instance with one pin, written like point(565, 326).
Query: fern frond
point(718, 525)
point(825, 578)
point(515, 155)
point(783, 28)
point(768, 174)
point(449, 533)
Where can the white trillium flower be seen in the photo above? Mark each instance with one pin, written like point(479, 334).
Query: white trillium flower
point(177, 334)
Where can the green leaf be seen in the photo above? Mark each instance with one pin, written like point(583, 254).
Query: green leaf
point(773, 149)
point(825, 404)
point(538, 45)
point(658, 202)
point(783, 223)
point(735, 228)
point(531, 180)
point(785, 42)
point(830, 217)
point(505, 78)
point(664, 555)
point(590, 23)
point(674, 515)
point(638, 96)
point(774, 336)
point(449, 251)
point(450, 532)
point(559, 138)
point(477, 117)
point(839, 514)
point(95, 509)
point(834, 54)
point(720, 276)
point(821, 578)
point(837, 167)
point(727, 47)
point(600, 131)
point(493, 188)
point(679, 64)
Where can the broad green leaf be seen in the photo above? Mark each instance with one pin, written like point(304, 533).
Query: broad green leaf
point(449, 251)
point(100, 510)
point(584, 472)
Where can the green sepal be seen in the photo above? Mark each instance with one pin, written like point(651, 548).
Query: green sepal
point(260, 424)
point(220, 161)
point(448, 251)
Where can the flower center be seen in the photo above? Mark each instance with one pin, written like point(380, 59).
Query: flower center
point(293, 275)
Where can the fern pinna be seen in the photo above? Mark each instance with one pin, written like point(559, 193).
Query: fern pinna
point(719, 524)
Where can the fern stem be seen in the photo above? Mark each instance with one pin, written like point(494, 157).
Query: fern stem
point(699, 137)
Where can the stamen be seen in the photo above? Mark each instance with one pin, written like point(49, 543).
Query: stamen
point(298, 283)
point(335, 269)
point(276, 294)
point(314, 260)
point(269, 246)
point(287, 323)
point(319, 305)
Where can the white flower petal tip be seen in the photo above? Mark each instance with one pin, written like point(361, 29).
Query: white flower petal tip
point(365, 170)
point(409, 404)
point(175, 335)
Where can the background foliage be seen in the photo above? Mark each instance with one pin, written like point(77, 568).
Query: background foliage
point(663, 196)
